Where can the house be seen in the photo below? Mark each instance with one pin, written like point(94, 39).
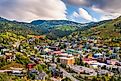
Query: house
point(89, 60)
point(83, 70)
point(98, 55)
point(39, 37)
point(35, 59)
point(40, 76)
point(17, 73)
point(67, 60)
point(30, 66)
point(56, 52)
point(54, 48)
point(96, 65)
point(63, 55)
point(112, 61)
point(104, 72)
point(56, 73)
point(47, 50)
point(9, 57)
point(77, 69)
point(33, 74)
point(114, 56)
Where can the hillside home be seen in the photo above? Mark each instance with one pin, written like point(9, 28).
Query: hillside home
point(98, 55)
point(67, 60)
point(89, 60)
point(30, 66)
point(39, 37)
point(104, 72)
point(56, 73)
point(96, 65)
point(54, 48)
point(17, 73)
point(112, 61)
point(9, 57)
point(40, 77)
point(82, 70)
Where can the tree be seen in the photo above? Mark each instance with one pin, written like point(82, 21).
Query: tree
point(39, 67)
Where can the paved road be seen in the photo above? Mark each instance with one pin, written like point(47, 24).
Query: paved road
point(66, 74)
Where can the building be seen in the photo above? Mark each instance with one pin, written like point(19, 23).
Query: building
point(96, 65)
point(56, 73)
point(67, 60)
point(40, 77)
point(98, 55)
point(39, 37)
point(83, 70)
point(9, 57)
point(30, 66)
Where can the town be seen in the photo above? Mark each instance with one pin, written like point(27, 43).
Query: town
point(60, 40)
point(75, 59)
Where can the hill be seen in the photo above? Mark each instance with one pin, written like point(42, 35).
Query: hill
point(108, 32)
point(55, 23)
point(111, 29)
point(52, 28)
point(19, 28)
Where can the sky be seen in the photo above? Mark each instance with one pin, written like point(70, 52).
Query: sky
point(82, 11)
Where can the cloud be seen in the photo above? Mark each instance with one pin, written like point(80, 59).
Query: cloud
point(108, 8)
point(77, 2)
point(75, 14)
point(82, 13)
point(27, 10)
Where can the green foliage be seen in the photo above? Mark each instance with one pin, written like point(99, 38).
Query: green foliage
point(3, 62)
point(6, 77)
point(63, 65)
point(22, 59)
point(66, 28)
point(39, 67)
point(18, 28)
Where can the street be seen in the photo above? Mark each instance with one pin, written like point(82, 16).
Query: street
point(66, 74)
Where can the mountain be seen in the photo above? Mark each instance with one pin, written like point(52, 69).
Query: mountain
point(48, 26)
point(55, 23)
point(52, 28)
point(107, 30)
point(60, 28)
point(18, 27)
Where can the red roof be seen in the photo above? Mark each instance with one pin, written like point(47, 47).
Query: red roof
point(87, 59)
point(56, 52)
point(39, 37)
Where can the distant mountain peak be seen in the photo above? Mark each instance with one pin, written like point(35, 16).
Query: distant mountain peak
point(53, 22)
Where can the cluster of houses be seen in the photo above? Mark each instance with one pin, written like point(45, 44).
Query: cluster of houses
point(100, 58)
point(92, 52)
point(7, 54)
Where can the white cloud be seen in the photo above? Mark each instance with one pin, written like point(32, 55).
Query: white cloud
point(27, 10)
point(75, 14)
point(106, 15)
point(77, 2)
point(84, 14)
point(108, 8)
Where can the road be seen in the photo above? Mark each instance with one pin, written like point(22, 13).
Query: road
point(66, 74)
